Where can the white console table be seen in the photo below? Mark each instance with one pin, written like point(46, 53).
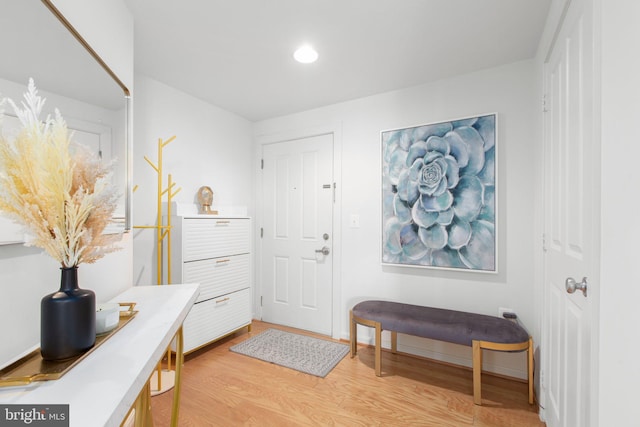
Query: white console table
point(103, 387)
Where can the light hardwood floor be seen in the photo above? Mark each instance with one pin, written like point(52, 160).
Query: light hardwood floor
point(222, 388)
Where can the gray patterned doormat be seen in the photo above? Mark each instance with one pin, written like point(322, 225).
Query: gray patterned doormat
point(305, 354)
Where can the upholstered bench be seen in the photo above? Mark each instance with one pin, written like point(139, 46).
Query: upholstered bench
point(478, 331)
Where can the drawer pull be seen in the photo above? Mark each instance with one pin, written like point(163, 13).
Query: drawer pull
point(222, 300)
point(222, 222)
point(220, 261)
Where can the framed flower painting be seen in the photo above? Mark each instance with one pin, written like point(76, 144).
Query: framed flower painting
point(439, 195)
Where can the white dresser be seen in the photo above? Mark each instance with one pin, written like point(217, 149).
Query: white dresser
point(216, 253)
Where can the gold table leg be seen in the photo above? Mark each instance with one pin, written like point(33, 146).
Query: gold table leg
point(142, 405)
point(179, 361)
point(143, 416)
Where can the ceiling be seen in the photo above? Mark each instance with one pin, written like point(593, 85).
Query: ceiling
point(238, 54)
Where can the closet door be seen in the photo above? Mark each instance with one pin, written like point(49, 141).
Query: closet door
point(571, 220)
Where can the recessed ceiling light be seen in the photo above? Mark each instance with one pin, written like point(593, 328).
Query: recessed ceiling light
point(305, 54)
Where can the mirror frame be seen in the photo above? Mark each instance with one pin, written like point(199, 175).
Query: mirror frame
point(127, 95)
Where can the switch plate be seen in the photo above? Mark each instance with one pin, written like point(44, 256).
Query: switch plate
point(354, 222)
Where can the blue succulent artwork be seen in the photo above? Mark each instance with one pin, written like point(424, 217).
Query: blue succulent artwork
point(438, 195)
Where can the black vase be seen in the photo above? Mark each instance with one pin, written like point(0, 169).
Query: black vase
point(67, 319)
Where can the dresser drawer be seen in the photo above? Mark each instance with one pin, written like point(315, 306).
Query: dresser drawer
point(218, 276)
point(214, 318)
point(212, 238)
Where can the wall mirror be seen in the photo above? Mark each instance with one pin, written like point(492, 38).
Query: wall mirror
point(38, 43)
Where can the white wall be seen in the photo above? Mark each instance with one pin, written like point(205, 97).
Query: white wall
point(108, 28)
point(508, 91)
point(619, 371)
point(26, 275)
point(212, 147)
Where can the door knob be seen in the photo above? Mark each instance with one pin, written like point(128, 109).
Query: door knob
point(571, 285)
point(323, 251)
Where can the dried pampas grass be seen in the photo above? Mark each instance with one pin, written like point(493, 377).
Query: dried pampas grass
point(60, 192)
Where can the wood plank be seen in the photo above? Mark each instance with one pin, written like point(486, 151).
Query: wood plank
point(222, 388)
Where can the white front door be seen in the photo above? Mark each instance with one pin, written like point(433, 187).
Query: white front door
point(297, 248)
point(571, 220)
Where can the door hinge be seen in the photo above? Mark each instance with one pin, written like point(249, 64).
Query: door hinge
point(261, 163)
point(544, 243)
point(261, 301)
point(261, 232)
point(334, 192)
point(544, 103)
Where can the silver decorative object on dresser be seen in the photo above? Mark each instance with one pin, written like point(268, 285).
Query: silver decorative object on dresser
point(216, 253)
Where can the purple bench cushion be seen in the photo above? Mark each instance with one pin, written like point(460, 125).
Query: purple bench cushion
point(457, 327)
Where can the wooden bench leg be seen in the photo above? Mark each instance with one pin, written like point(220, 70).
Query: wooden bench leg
point(478, 346)
point(477, 373)
point(354, 320)
point(530, 369)
point(353, 335)
point(394, 342)
point(378, 349)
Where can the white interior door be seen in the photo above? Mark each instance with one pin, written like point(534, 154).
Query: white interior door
point(297, 249)
point(571, 221)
